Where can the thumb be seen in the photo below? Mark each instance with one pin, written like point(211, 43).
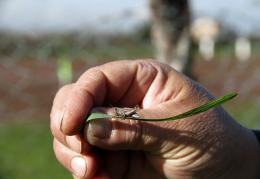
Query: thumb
point(118, 134)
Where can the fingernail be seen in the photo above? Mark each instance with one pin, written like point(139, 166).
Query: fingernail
point(100, 128)
point(78, 166)
point(74, 143)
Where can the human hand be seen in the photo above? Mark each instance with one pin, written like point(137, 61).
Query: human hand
point(209, 145)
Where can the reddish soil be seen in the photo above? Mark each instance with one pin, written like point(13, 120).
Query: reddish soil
point(27, 87)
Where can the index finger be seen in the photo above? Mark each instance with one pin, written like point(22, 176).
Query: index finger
point(120, 83)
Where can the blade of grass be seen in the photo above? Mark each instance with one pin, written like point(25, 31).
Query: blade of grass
point(198, 110)
point(97, 115)
point(195, 111)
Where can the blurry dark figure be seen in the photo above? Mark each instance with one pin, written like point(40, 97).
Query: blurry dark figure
point(171, 33)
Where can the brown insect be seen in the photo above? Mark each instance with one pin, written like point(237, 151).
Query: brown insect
point(127, 112)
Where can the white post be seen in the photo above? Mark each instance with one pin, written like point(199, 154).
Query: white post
point(242, 49)
point(207, 47)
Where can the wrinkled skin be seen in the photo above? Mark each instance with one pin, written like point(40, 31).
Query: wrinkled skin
point(209, 145)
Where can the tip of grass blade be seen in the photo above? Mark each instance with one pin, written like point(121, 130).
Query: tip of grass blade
point(96, 115)
point(231, 95)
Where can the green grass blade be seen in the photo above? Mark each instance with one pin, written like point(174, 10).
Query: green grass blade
point(96, 115)
point(195, 111)
point(200, 109)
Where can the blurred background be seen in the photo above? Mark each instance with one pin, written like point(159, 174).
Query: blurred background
point(46, 44)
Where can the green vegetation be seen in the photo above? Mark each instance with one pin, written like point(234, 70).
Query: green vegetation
point(76, 46)
point(247, 114)
point(255, 48)
point(97, 47)
point(117, 52)
point(26, 152)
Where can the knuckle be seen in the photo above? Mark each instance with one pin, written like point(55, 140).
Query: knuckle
point(65, 89)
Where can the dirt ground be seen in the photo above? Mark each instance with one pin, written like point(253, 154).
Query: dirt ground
point(27, 87)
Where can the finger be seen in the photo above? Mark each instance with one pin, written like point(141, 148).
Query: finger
point(57, 111)
point(82, 166)
point(111, 83)
point(75, 142)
